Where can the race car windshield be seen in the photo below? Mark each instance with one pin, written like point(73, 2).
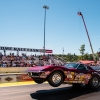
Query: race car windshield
point(71, 65)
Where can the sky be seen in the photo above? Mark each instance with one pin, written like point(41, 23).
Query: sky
point(22, 24)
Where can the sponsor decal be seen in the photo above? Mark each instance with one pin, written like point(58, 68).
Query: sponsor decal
point(75, 81)
point(75, 77)
point(70, 81)
point(66, 79)
point(8, 79)
point(23, 77)
point(88, 76)
point(83, 82)
point(47, 73)
point(79, 81)
point(72, 73)
point(69, 76)
point(65, 72)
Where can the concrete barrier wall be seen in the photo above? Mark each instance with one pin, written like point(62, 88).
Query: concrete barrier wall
point(13, 77)
point(14, 69)
point(0, 79)
point(14, 74)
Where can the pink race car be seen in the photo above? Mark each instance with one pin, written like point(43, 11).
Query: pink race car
point(72, 73)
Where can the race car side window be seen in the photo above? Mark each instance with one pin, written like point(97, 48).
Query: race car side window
point(81, 67)
point(86, 67)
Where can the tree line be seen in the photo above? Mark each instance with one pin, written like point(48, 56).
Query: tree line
point(74, 58)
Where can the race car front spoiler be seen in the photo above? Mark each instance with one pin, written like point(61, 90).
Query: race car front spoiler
point(37, 74)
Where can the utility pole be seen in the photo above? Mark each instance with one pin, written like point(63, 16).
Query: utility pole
point(45, 7)
point(80, 14)
point(63, 52)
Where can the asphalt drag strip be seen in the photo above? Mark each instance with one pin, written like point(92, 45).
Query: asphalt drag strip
point(46, 92)
point(67, 93)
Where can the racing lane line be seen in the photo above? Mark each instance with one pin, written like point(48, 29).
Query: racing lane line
point(17, 84)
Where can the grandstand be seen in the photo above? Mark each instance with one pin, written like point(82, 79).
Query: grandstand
point(12, 60)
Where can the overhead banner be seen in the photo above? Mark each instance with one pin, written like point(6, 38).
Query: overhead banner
point(46, 51)
point(24, 49)
point(19, 49)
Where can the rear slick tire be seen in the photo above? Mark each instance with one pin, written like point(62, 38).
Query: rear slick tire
point(94, 82)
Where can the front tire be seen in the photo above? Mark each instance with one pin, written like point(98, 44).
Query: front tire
point(55, 79)
point(38, 81)
point(94, 82)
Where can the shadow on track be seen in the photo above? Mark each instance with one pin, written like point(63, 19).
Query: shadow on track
point(67, 93)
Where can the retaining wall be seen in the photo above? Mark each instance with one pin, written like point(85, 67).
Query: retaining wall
point(14, 69)
point(14, 77)
point(14, 74)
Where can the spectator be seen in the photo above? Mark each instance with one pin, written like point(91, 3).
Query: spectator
point(12, 60)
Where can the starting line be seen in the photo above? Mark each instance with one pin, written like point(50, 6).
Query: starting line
point(17, 84)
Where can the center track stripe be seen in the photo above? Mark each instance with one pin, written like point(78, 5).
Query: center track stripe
point(17, 83)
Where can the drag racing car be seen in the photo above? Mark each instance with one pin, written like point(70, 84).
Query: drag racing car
point(71, 73)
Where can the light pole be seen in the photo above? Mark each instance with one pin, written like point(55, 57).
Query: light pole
point(80, 14)
point(63, 52)
point(45, 7)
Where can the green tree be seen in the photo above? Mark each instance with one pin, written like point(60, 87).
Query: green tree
point(90, 57)
point(86, 56)
point(75, 57)
point(82, 50)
